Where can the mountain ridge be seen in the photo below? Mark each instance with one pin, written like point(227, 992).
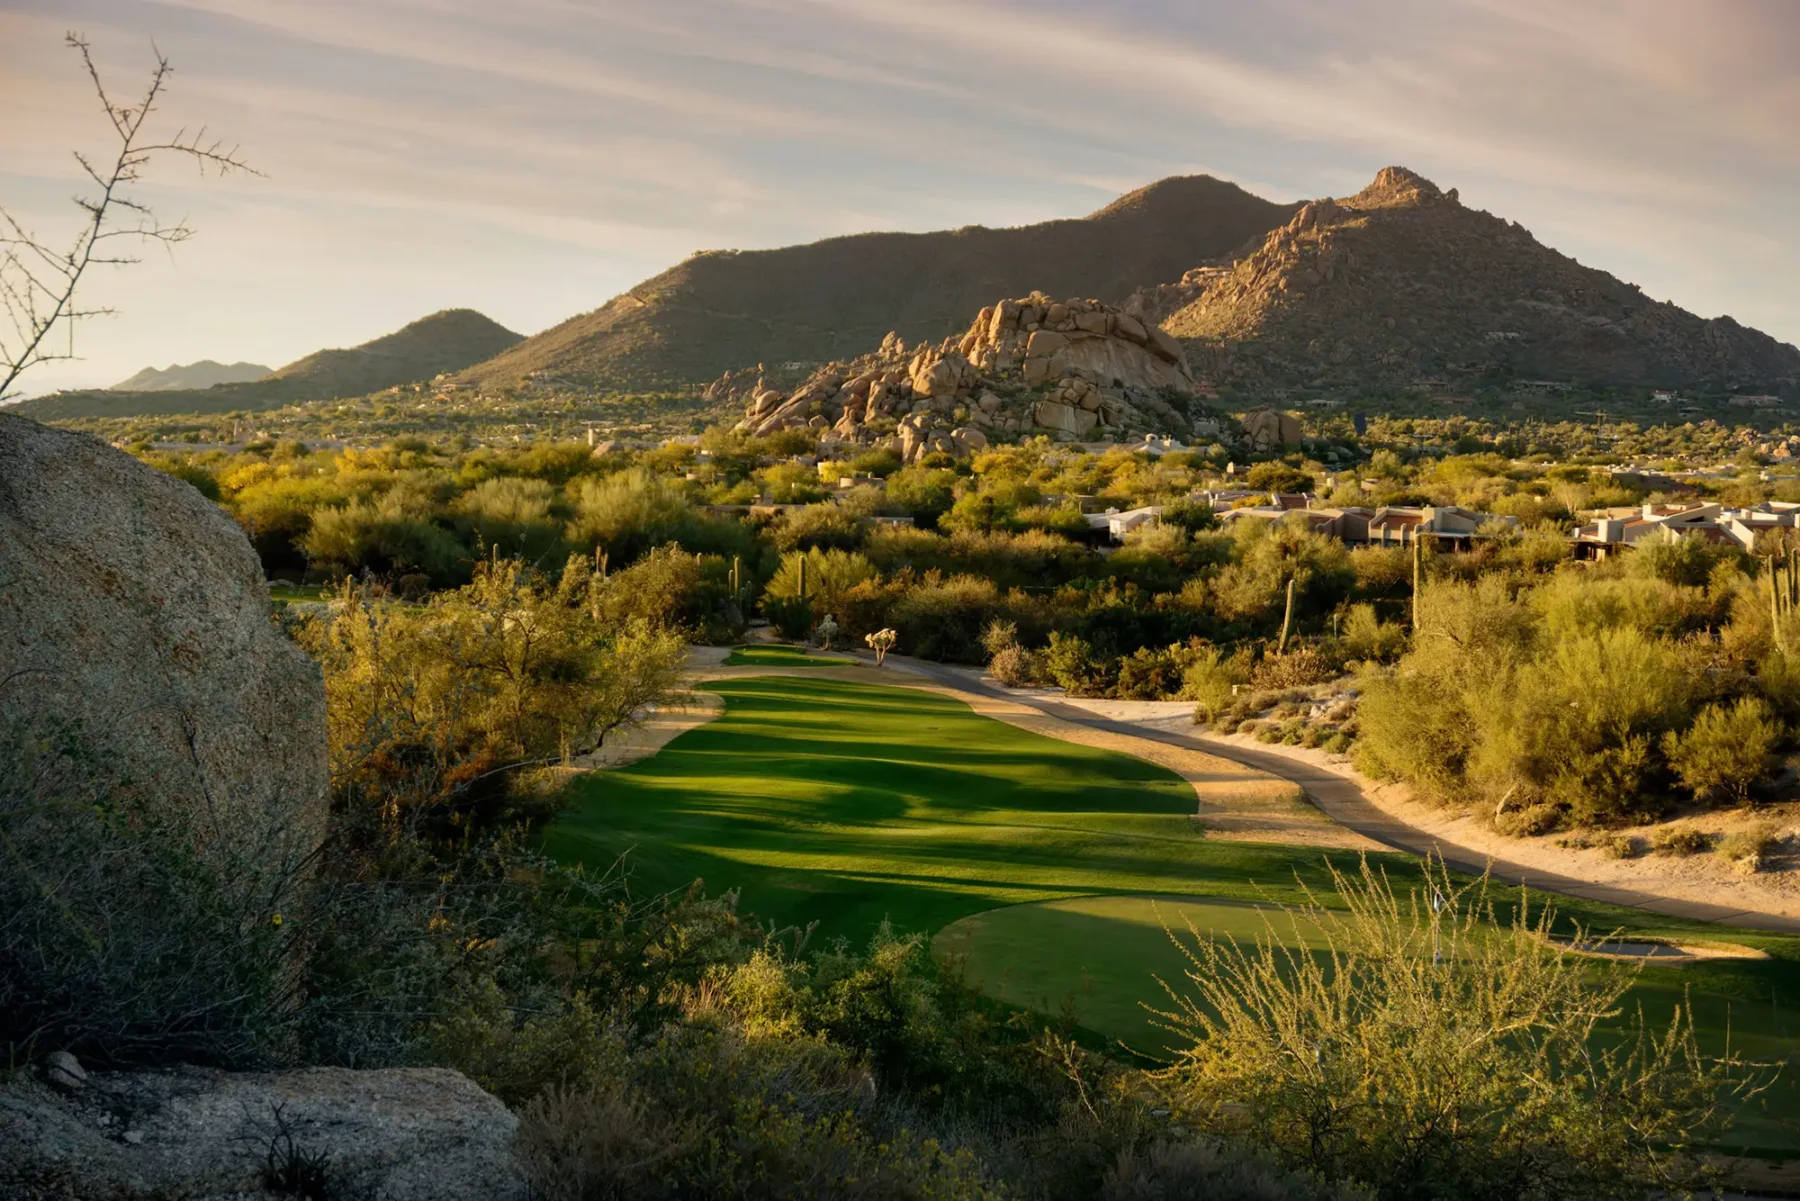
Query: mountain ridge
point(832, 298)
point(1402, 284)
point(441, 342)
point(187, 377)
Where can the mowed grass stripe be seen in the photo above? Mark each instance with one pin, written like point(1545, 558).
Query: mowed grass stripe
point(847, 803)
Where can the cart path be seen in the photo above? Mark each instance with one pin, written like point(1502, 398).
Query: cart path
point(1343, 800)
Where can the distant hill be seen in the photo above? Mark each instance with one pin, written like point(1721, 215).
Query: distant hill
point(1401, 283)
point(178, 377)
point(443, 342)
point(836, 298)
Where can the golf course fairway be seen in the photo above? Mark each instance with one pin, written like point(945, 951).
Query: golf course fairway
point(847, 804)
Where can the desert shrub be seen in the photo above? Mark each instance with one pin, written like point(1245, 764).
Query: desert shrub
point(1265, 556)
point(1300, 667)
point(436, 711)
point(518, 517)
point(670, 587)
point(828, 575)
point(1752, 848)
point(943, 618)
point(1071, 663)
point(627, 513)
point(124, 936)
point(1620, 846)
point(1429, 1054)
point(1366, 636)
point(1154, 673)
point(1211, 681)
point(1189, 514)
point(1016, 667)
point(1677, 560)
point(1680, 841)
point(792, 616)
point(817, 527)
point(926, 493)
point(1195, 1168)
point(1339, 743)
point(390, 535)
point(1726, 750)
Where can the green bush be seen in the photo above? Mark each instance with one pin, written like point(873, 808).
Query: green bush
point(1211, 681)
point(1726, 750)
point(1426, 1055)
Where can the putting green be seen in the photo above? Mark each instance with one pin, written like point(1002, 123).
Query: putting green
point(1099, 956)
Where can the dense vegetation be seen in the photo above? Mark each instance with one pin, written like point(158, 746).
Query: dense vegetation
point(1466, 688)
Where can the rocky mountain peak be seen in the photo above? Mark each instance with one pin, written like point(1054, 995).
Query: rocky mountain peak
point(1399, 187)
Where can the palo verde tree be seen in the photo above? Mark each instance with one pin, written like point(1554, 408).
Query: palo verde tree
point(40, 278)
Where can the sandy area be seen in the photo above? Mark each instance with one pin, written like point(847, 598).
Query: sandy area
point(1707, 877)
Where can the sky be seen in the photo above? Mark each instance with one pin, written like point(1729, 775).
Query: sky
point(533, 158)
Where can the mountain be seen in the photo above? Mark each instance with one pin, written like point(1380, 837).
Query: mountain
point(834, 299)
point(443, 342)
point(204, 374)
point(1400, 283)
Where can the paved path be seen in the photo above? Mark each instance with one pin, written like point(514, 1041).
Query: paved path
point(1342, 799)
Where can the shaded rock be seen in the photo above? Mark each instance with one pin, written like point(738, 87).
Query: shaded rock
point(418, 1134)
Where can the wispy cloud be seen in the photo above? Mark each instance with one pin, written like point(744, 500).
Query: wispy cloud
point(533, 158)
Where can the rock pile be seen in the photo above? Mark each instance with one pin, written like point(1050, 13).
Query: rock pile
point(1071, 368)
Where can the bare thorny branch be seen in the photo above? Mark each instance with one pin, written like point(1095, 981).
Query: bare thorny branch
point(38, 283)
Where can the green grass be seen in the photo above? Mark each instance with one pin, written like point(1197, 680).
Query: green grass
point(847, 804)
point(779, 656)
point(1100, 956)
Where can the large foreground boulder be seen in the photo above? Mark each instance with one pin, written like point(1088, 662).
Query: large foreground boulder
point(415, 1134)
point(162, 758)
point(132, 604)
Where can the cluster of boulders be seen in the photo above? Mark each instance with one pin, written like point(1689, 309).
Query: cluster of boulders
point(1076, 369)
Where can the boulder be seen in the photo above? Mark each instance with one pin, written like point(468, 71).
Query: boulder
point(134, 609)
point(1164, 346)
point(1063, 418)
point(1268, 429)
point(414, 1134)
point(968, 440)
point(1043, 343)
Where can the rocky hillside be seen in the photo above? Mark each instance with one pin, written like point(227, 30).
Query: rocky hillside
point(1075, 369)
point(443, 342)
point(1401, 283)
point(835, 298)
point(181, 377)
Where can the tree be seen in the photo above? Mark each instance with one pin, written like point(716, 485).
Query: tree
point(39, 282)
point(434, 710)
point(1419, 1044)
point(1726, 750)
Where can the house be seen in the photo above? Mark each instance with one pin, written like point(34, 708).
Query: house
point(1117, 524)
point(1615, 529)
point(1390, 525)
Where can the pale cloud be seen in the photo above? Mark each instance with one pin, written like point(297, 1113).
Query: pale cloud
point(535, 157)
